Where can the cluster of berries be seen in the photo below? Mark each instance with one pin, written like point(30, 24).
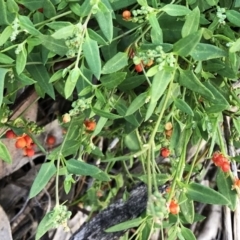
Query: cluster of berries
point(23, 142)
point(221, 161)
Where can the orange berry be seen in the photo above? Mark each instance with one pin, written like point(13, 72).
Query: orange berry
point(28, 140)
point(165, 152)
point(90, 125)
point(150, 63)
point(28, 152)
point(10, 134)
point(138, 68)
point(174, 207)
point(20, 143)
point(236, 184)
point(51, 140)
point(66, 118)
point(126, 15)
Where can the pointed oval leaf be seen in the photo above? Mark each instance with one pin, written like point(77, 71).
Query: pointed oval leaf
point(112, 80)
point(183, 106)
point(27, 25)
point(21, 59)
point(104, 19)
point(119, 61)
point(4, 153)
point(137, 103)
point(224, 184)
point(175, 10)
point(189, 80)
point(105, 114)
point(204, 51)
point(81, 168)
point(71, 82)
point(156, 31)
point(91, 53)
point(187, 208)
point(203, 194)
point(125, 225)
point(187, 234)
point(235, 46)
point(45, 173)
point(192, 22)
point(6, 33)
point(233, 17)
point(184, 46)
point(5, 59)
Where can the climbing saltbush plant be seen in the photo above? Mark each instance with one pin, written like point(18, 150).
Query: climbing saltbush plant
point(154, 76)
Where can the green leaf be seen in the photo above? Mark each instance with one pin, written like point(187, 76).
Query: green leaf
point(159, 85)
point(119, 61)
point(12, 6)
point(71, 82)
point(40, 74)
point(45, 173)
point(219, 98)
point(25, 80)
point(104, 19)
point(187, 208)
point(105, 114)
point(156, 31)
point(3, 72)
point(131, 141)
point(91, 53)
point(125, 225)
point(21, 59)
point(81, 168)
point(112, 80)
point(142, 2)
point(192, 22)
point(183, 106)
point(175, 10)
point(161, 178)
point(205, 51)
point(216, 108)
point(235, 47)
point(224, 184)
point(48, 9)
point(189, 80)
point(64, 32)
point(5, 59)
point(6, 17)
point(27, 25)
point(184, 46)
point(132, 82)
point(200, 193)
point(233, 17)
point(5, 35)
point(137, 103)
point(187, 233)
point(4, 153)
point(57, 46)
point(46, 224)
point(95, 36)
point(32, 4)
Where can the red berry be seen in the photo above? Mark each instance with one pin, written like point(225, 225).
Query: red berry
point(174, 207)
point(40, 10)
point(126, 15)
point(10, 134)
point(28, 152)
point(225, 166)
point(90, 125)
point(138, 68)
point(20, 143)
point(51, 140)
point(165, 152)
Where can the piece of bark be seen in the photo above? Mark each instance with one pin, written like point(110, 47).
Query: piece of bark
point(116, 213)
